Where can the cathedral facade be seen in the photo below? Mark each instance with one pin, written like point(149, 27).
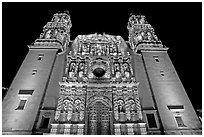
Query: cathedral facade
point(98, 84)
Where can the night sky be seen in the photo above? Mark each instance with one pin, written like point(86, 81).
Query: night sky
point(177, 25)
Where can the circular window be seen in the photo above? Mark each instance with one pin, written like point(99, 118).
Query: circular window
point(99, 72)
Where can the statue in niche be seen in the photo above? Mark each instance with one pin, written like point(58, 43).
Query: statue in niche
point(48, 34)
point(99, 50)
point(72, 69)
point(69, 109)
point(115, 50)
point(117, 70)
point(121, 109)
point(66, 105)
point(149, 36)
point(133, 111)
point(142, 34)
point(85, 49)
point(52, 34)
point(126, 69)
point(92, 52)
point(138, 38)
point(76, 110)
point(81, 69)
point(79, 48)
point(65, 19)
point(133, 108)
point(110, 50)
point(55, 33)
point(61, 36)
point(103, 49)
point(120, 106)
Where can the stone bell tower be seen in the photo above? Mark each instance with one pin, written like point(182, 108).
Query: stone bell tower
point(169, 110)
point(23, 103)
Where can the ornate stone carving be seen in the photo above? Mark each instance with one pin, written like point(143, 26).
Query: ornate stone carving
point(99, 45)
point(98, 87)
point(141, 32)
point(71, 104)
point(126, 104)
point(56, 31)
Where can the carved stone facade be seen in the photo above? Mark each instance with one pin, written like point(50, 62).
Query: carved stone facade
point(98, 93)
point(98, 84)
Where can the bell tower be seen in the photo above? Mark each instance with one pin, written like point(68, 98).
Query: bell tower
point(171, 111)
point(21, 106)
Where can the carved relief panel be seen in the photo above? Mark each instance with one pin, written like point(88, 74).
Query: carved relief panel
point(126, 104)
point(121, 70)
point(71, 104)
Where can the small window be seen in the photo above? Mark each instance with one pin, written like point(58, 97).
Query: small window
point(175, 107)
point(179, 121)
point(25, 92)
point(151, 121)
point(40, 56)
point(21, 105)
point(156, 58)
point(34, 72)
point(45, 122)
point(162, 73)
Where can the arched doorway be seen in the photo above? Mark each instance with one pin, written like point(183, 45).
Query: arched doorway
point(98, 119)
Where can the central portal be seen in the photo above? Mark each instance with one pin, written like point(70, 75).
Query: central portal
point(98, 119)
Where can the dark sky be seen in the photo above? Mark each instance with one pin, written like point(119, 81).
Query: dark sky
point(177, 25)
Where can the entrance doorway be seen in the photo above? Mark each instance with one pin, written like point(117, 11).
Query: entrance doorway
point(98, 119)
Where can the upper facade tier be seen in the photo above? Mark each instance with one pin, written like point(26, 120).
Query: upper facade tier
point(99, 45)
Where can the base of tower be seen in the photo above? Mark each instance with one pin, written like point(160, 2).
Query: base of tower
point(183, 132)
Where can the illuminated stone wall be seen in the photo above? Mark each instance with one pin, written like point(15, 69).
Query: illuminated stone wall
point(13, 119)
point(170, 96)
